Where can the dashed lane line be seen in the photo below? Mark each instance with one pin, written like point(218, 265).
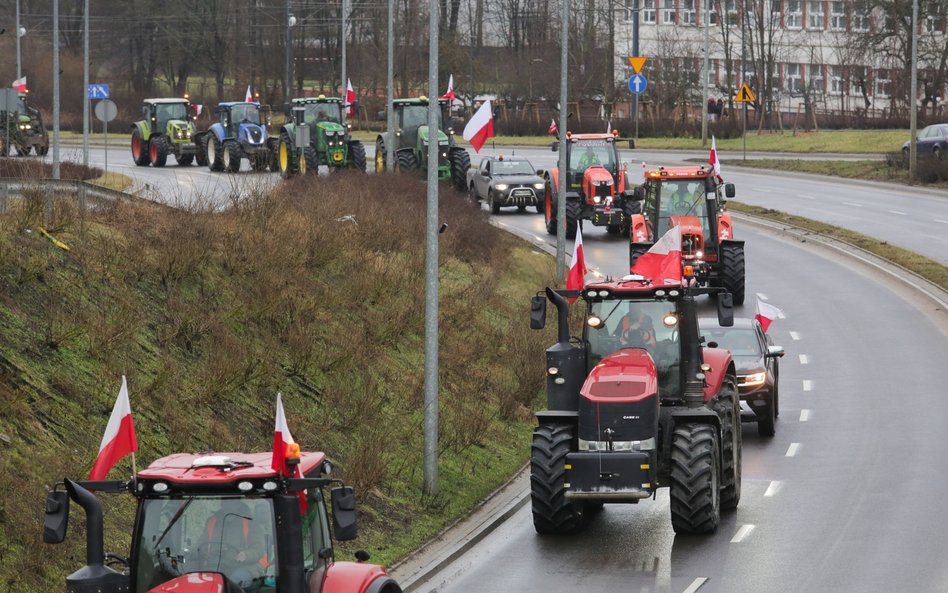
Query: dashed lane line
point(696, 584)
point(742, 534)
point(807, 385)
point(795, 336)
point(804, 359)
point(773, 488)
point(899, 212)
point(856, 204)
point(792, 450)
point(804, 415)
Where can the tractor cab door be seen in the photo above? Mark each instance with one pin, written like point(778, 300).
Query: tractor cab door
point(317, 545)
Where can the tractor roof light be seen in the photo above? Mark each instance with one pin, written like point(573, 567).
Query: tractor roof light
point(292, 454)
point(670, 320)
point(688, 272)
point(245, 486)
point(594, 321)
point(553, 370)
point(615, 133)
point(159, 487)
point(269, 486)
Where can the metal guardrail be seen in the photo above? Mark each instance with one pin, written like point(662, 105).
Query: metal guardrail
point(84, 191)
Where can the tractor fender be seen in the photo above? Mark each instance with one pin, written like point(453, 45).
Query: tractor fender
point(639, 231)
point(355, 577)
point(407, 149)
point(725, 228)
point(721, 363)
point(557, 417)
point(553, 176)
point(217, 130)
point(143, 127)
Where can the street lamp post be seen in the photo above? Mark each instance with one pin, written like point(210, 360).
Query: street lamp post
point(913, 96)
point(85, 85)
point(705, 72)
point(290, 21)
point(20, 32)
point(345, 78)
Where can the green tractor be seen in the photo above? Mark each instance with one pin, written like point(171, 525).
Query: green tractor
point(22, 128)
point(168, 128)
point(411, 143)
point(315, 135)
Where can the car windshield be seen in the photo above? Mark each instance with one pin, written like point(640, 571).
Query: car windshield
point(232, 536)
point(513, 168)
point(317, 112)
point(245, 113)
point(740, 341)
point(584, 153)
point(637, 324)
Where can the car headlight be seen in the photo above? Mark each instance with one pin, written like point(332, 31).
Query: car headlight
point(753, 379)
point(501, 187)
point(539, 185)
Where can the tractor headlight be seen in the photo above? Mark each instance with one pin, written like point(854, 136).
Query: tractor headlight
point(539, 185)
point(501, 187)
point(444, 155)
point(597, 199)
point(753, 380)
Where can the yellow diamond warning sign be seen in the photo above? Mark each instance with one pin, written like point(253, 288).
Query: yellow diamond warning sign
point(745, 95)
point(637, 63)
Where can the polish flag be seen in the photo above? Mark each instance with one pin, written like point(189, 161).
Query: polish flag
point(281, 440)
point(481, 127)
point(766, 313)
point(553, 129)
point(450, 93)
point(349, 103)
point(576, 277)
point(609, 127)
point(198, 109)
point(249, 98)
point(119, 438)
point(20, 85)
point(662, 262)
point(715, 164)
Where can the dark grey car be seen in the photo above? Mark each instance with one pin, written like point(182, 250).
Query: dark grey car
point(503, 182)
point(932, 141)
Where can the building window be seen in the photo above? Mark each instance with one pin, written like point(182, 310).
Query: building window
point(883, 84)
point(858, 78)
point(730, 9)
point(712, 12)
point(860, 22)
point(815, 78)
point(648, 12)
point(815, 15)
point(837, 16)
point(836, 80)
point(794, 81)
point(687, 12)
point(794, 19)
point(668, 12)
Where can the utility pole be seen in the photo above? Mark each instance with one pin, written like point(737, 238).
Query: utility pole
point(744, 77)
point(431, 263)
point(85, 85)
point(55, 89)
point(390, 92)
point(563, 180)
point(290, 21)
point(342, 40)
point(19, 33)
point(705, 69)
point(635, 53)
point(913, 97)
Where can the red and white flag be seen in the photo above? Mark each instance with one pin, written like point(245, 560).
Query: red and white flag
point(450, 94)
point(715, 164)
point(553, 129)
point(481, 127)
point(119, 438)
point(249, 98)
point(349, 103)
point(20, 85)
point(766, 313)
point(576, 277)
point(609, 127)
point(281, 440)
point(662, 262)
point(198, 109)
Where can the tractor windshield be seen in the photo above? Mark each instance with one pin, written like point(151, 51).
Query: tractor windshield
point(317, 112)
point(240, 114)
point(164, 112)
point(679, 202)
point(416, 115)
point(637, 324)
point(584, 153)
point(232, 536)
point(513, 168)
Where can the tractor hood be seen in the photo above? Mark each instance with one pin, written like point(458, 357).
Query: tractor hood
point(195, 582)
point(423, 135)
point(597, 175)
point(690, 225)
point(251, 134)
point(330, 127)
point(628, 375)
point(24, 119)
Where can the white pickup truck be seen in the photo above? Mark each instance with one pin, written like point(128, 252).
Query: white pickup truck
point(506, 181)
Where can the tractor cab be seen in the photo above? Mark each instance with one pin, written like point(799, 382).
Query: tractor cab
point(234, 115)
point(160, 113)
point(411, 120)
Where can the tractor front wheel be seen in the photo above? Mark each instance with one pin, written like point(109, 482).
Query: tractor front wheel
point(552, 512)
point(200, 156)
point(406, 162)
point(184, 160)
point(231, 157)
point(158, 151)
point(285, 157)
point(732, 270)
point(731, 442)
point(357, 156)
point(273, 145)
point(139, 149)
point(312, 161)
point(460, 163)
point(549, 208)
point(635, 252)
point(694, 488)
point(573, 212)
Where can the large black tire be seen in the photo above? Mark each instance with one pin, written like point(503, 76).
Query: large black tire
point(406, 162)
point(312, 161)
point(231, 158)
point(636, 251)
point(260, 162)
point(139, 149)
point(379, 156)
point(273, 145)
point(549, 208)
point(732, 270)
point(731, 443)
point(460, 163)
point(184, 160)
point(285, 157)
point(158, 150)
point(695, 489)
point(357, 156)
point(215, 156)
point(21, 150)
point(42, 150)
point(552, 513)
point(200, 157)
point(493, 205)
point(573, 212)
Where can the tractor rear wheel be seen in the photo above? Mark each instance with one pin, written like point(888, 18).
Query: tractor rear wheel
point(200, 155)
point(379, 156)
point(406, 162)
point(549, 209)
point(312, 161)
point(732, 270)
point(357, 156)
point(573, 212)
point(552, 513)
point(460, 163)
point(214, 154)
point(695, 489)
point(231, 158)
point(184, 160)
point(635, 252)
point(158, 151)
point(731, 442)
point(139, 149)
point(285, 157)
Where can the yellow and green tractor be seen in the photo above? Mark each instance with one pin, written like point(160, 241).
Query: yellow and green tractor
point(167, 128)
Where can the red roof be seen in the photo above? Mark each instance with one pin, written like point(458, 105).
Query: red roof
point(221, 467)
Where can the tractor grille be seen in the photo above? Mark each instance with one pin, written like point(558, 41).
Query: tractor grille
point(691, 244)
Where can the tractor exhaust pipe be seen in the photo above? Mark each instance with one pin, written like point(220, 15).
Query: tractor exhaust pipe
point(95, 577)
point(565, 363)
point(562, 315)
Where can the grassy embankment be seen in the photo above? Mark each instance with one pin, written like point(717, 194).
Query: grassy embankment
point(28, 168)
point(315, 291)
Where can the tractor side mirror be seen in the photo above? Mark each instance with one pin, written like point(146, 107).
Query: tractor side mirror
point(725, 309)
point(57, 517)
point(556, 146)
point(538, 312)
point(344, 513)
point(729, 190)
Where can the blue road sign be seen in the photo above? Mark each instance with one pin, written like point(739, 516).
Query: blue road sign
point(638, 84)
point(98, 91)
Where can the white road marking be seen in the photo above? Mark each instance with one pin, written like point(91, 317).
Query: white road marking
point(806, 197)
point(807, 385)
point(899, 212)
point(857, 205)
point(773, 488)
point(804, 415)
point(742, 533)
point(804, 359)
point(941, 221)
point(696, 584)
point(795, 335)
point(792, 451)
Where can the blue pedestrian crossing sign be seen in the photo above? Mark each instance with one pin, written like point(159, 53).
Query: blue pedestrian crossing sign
point(637, 84)
point(98, 91)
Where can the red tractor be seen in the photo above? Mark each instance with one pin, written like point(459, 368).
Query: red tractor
point(635, 404)
point(222, 523)
point(597, 190)
point(692, 199)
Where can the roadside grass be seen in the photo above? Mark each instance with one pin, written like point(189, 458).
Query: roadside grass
point(111, 180)
point(315, 290)
point(888, 170)
point(921, 265)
